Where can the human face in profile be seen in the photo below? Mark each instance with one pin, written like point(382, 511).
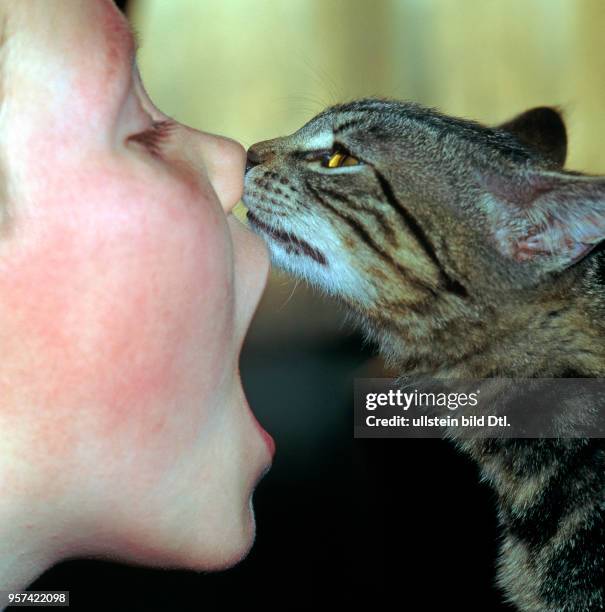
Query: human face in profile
point(126, 290)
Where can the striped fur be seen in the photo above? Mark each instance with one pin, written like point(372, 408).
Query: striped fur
point(463, 251)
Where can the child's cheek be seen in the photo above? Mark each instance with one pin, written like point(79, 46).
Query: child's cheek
point(111, 323)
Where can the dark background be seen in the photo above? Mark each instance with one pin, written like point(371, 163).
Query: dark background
point(339, 520)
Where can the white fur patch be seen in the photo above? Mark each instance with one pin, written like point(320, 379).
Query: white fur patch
point(337, 277)
point(321, 141)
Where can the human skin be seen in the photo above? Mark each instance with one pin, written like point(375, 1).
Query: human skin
point(126, 290)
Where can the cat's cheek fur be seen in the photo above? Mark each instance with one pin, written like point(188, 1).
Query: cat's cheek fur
point(338, 275)
point(335, 277)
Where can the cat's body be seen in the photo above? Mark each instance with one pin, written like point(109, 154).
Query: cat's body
point(465, 252)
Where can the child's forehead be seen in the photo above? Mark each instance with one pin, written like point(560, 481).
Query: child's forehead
point(84, 31)
point(120, 39)
point(64, 66)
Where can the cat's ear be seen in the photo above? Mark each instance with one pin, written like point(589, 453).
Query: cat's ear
point(542, 129)
point(549, 219)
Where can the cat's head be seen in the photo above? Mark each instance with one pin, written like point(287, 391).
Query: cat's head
point(390, 205)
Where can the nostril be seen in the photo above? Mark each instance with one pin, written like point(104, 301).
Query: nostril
point(252, 160)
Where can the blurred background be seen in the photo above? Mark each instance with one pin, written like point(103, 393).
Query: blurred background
point(342, 519)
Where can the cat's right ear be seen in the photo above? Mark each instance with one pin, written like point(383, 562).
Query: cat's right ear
point(548, 220)
point(542, 129)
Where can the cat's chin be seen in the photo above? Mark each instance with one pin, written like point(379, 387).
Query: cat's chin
point(293, 244)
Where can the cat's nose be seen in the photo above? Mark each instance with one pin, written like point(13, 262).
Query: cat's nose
point(252, 159)
point(257, 155)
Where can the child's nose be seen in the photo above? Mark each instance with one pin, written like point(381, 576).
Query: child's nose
point(224, 163)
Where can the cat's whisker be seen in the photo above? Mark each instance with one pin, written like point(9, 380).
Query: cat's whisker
point(326, 82)
point(290, 296)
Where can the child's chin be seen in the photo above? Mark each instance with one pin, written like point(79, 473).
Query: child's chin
point(221, 549)
point(227, 551)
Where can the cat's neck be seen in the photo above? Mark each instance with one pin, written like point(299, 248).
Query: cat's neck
point(559, 333)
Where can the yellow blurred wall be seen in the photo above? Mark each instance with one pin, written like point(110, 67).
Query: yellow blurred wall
point(254, 69)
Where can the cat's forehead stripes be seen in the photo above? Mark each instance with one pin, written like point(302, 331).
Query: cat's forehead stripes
point(399, 119)
point(346, 125)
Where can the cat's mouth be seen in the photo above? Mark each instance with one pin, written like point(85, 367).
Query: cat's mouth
point(287, 238)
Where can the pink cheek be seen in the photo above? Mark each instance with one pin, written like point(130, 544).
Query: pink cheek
point(109, 325)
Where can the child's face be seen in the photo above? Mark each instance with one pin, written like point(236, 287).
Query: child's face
point(125, 295)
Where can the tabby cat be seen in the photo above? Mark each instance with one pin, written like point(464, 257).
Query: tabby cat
point(463, 251)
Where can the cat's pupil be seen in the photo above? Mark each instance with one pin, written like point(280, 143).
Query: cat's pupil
point(336, 160)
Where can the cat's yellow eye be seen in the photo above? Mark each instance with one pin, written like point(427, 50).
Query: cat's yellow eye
point(340, 159)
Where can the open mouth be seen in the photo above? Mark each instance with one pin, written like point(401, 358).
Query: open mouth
point(287, 238)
